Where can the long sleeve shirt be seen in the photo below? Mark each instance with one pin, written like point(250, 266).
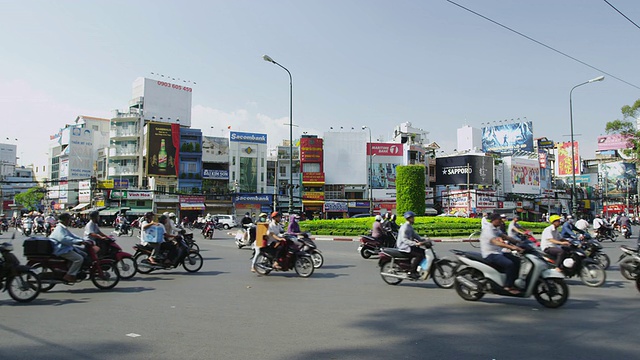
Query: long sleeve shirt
point(63, 240)
point(407, 237)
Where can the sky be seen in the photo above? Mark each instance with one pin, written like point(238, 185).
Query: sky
point(354, 63)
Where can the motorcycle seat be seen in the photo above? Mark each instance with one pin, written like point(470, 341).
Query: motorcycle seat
point(370, 238)
point(396, 253)
point(476, 256)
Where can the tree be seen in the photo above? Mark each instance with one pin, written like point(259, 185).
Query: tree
point(627, 127)
point(31, 198)
point(410, 189)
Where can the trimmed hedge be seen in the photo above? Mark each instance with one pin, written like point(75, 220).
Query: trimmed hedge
point(433, 227)
point(410, 189)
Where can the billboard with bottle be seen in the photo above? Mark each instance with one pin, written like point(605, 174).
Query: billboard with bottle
point(163, 144)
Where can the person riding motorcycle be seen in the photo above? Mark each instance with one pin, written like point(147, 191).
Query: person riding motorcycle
point(409, 242)
point(391, 225)
point(274, 239)
point(169, 237)
point(92, 231)
point(246, 220)
point(262, 218)
point(551, 242)
point(148, 226)
point(568, 230)
point(294, 226)
point(601, 227)
point(515, 230)
point(625, 222)
point(64, 241)
point(492, 241)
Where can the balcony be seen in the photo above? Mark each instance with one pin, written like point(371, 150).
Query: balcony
point(124, 151)
point(119, 132)
point(116, 170)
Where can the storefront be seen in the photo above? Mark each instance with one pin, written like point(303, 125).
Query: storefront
point(253, 204)
point(191, 206)
point(336, 210)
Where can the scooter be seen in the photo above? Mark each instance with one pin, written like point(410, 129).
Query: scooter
point(395, 267)
point(27, 227)
point(22, 284)
point(294, 258)
point(126, 264)
point(577, 263)
point(370, 246)
point(626, 232)
point(629, 262)
point(309, 246)
point(175, 253)
point(244, 236)
point(476, 277)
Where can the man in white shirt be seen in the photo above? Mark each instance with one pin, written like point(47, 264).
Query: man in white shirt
point(582, 225)
point(491, 245)
point(274, 239)
point(551, 242)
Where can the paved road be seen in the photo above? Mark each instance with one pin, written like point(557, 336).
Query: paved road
point(343, 311)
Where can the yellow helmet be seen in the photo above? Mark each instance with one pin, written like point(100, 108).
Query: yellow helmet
point(553, 218)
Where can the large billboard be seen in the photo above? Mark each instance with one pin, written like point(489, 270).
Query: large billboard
point(508, 138)
point(163, 149)
point(524, 176)
point(312, 162)
point(164, 101)
point(613, 142)
point(81, 153)
point(345, 157)
point(215, 149)
point(618, 178)
point(564, 159)
point(472, 169)
point(385, 157)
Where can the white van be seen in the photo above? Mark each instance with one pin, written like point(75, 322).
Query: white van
point(227, 221)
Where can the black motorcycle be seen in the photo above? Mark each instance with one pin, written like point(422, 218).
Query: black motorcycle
point(594, 250)
point(123, 229)
point(294, 258)
point(22, 284)
point(174, 253)
point(629, 262)
point(606, 233)
point(577, 263)
point(309, 246)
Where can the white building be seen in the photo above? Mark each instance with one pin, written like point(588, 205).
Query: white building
point(469, 138)
point(248, 172)
point(8, 159)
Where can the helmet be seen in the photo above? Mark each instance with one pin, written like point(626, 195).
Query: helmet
point(296, 216)
point(275, 214)
point(393, 217)
point(247, 214)
point(263, 215)
point(409, 214)
point(94, 214)
point(166, 213)
point(554, 218)
point(378, 218)
point(172, 215)
point(568, 263)
point(569, 217)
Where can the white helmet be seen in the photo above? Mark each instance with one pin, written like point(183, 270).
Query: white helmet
point(378, 218)
point(172, 215)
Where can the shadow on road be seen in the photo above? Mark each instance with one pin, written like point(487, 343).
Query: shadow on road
point(337, 266)
point(116, 289)
point(43, 301)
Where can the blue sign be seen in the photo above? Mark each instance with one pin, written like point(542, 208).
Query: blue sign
point(266, 199)
point(248, 137)
point(120, 183)
point(335, 206)
point(215, 174)
point(508, 138)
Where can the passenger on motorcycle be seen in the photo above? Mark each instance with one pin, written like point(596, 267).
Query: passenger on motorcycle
point(600, 226)
point(294, 226)
point(63, 247)
point(168, 236)
point(147, 227)
point(568, 230)
point(409, 242)
point(170, 224)
point(262, 218)
point(551, 242)
point(246, 220)
point(274, 239)
point(514, 229)
point(625, 221)
point(92, 231)
point(492, 241)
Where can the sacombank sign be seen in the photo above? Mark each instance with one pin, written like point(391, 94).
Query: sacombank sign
point(248, 137)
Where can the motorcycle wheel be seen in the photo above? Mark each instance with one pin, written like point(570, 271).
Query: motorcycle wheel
point(464, 292)
point(240, 246)
point(193, 262)
point(262, 265)
point(388, 268)
point(24, 287)
point(127, 268)
point(638, 283)
point(304, 266)
point(626, 273)
point(603, 260)
point(194, 246)
point(142, 268)
point(40, 270)
point(365, 253)
point(209, 235)
point(551, 293)
point(109, 279)
point(444, 273)
point(593, 275)
point(318, 259)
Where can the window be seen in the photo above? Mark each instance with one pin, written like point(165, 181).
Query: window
point(95, 127)
point(192, 167)
point(140, 203)
point(233, 160)
point(310, 167)
point(261, 176)
point(161, 188)
point(172, 189)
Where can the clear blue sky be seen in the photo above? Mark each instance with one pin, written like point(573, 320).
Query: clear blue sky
point(354, 63)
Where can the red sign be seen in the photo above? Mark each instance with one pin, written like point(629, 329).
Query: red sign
point(311, 150)
point(191, 199)
point(564, 158)
point(542, 158)
point(614, 208)
point(384, 149)
point(313, 177)
point(315, 195)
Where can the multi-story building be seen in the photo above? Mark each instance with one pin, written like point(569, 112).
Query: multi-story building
point(286, 170)
point(312, 171)
point(215, 175)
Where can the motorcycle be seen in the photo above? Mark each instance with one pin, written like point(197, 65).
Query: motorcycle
point(370, 246)
point(208, 230)
point(126, 264)
point(626, 232)
point(577, 263)
point(50, 269)
point(395, 266)
point(48, 229)
point(189, 240)
point(123, 229)
point(309, 246)
point(629, 262)
point(605, 233)
point(5, 226)
point(27, 227)
point(246, 235)
point(175, 253)
point(476, 277)
point(528, 236)
point(594, 250)
point(22, 284)
point(294, 258)
point(39, 228)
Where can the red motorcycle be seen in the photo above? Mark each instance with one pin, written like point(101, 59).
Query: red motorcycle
point(51, 269)
point(208, 230)
point(109, 249)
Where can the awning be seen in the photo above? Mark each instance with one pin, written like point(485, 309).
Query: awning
point(113, 211)
point(192, 206)
point(80, 207)
point(139, 211)
point(87, 211)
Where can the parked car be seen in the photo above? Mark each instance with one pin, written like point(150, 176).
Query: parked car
point(227, 221)
point(361, 216)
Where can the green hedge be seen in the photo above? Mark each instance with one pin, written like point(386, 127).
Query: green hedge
point(433, 227)
point(410, 186)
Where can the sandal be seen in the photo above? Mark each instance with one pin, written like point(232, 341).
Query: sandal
point(512, 291)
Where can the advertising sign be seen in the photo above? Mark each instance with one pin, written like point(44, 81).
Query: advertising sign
point(542, 159)
point(120, 183)
point(266, 199)
point(564, 158)
point(485, 199)
point(64, 169)
point(139, 195)
point(613, 142)
point(429, 197)
point(508, 138)
point(313, 177)
point(215, 149)
point(164, 100)
point(248, 137)
point(619, 178)
point(163, 149)
point(335, 206)
point(525, 176)
point(311, 150)
point(384, 149)
point(383, 176)
point(64, 194)
point(106, 184)
point(544, 143)
point(215, 174)
point(80, 153)
point(313, 195)
point(454, 170)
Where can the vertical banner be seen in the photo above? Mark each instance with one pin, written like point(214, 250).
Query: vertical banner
point(163, 143)
point(564, 158)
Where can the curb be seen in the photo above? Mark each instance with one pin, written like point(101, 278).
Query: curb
point(328, 238)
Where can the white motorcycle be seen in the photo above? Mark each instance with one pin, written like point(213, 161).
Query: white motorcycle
point(243, 235)
point(475, 277)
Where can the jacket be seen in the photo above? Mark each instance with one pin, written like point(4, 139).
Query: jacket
point(63, 240)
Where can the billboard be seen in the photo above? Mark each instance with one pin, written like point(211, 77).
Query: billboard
point(81, 153)
point(508, 138)
point(215, 149)
point(525, 176)
point(613, 142)
point(342, 151)
point(311, 150)
point(564, 158)
point(619, 178)
point(542, 159)
point(164, 101)
point(215, 174)
point(163, 149)
point(384, 149)
point(385, 157)
point(248, 137)
point(64, 169)
point(472, 169)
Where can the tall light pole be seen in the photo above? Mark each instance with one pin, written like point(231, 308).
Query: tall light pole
point(574, 198)
point(370, 151)
point(269, 59)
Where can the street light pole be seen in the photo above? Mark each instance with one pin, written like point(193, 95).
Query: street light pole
point(574, 198)
point(269, 59)
point(370, 151)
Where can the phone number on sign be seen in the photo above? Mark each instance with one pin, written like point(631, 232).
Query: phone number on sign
point(174, 86)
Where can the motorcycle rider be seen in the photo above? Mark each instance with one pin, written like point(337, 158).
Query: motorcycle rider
point(491, 245)
point(63, 247)
point(568, 230)
point(92, 231)
point(246, 220)
point(261, 218)
point(146, 227)
point(625, 221)
point(515, 230)
point(377, 231)
point(391, 225)
point(551, 242)
point(274, 239)
point(169, 237)
point(409, 242)
point(294, 226)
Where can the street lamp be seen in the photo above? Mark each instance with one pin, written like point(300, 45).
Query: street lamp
point(269, 59)
point(574, 198)
point(370, 151)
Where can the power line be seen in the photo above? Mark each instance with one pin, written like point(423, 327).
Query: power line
point(620, 12)
point(543, 44)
